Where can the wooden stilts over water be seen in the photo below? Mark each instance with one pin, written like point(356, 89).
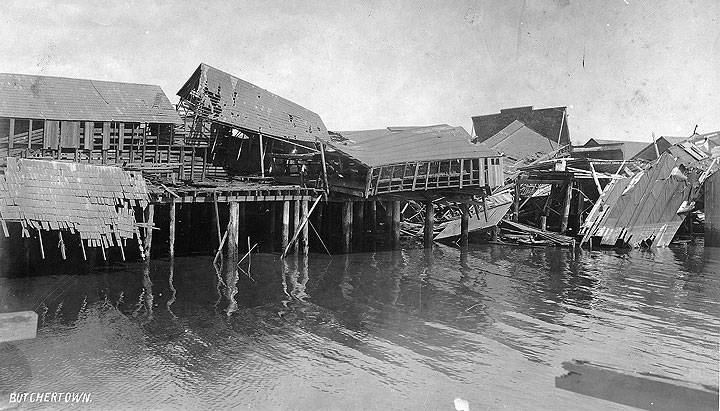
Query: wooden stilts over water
point(305, 239)
point(171, 231)
point(285, 224)
point(712, 210)
point(347, 216)
point(464, 222)
point(566, 207)
point(149, 220)
point(429, 224)
point(395, 224)
point(233, 234)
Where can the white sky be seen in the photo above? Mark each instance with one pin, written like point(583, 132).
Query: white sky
point(625, 68)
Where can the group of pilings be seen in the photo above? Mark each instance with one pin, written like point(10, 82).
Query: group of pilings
point(293, 214)
point(335, 226)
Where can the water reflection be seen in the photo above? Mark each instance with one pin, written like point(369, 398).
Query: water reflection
point(411, 327)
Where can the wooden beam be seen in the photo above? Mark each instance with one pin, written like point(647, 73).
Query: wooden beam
point(262, 157)
point(347, 218)
point(429, 224)
point(464, 223)
point(20, 325)
point(285, 224)
point(296, 225)
point(149, 219)
point(566, 208)
point(172, 230)
point(305, 243)
point(516, 202)
point(396, 225)
point(29, 140)
point(11, 135)
point(233, 232)
point(89, 134)
point(372, 215)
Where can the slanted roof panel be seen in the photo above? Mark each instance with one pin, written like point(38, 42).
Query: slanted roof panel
point(230, 100)
point(442, 142)
point(60, 98)
point(518, 141)
point(547, 122)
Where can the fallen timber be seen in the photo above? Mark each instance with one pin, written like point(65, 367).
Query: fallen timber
point(636, 389)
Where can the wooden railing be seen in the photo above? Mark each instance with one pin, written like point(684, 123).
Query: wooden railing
point(425, 175)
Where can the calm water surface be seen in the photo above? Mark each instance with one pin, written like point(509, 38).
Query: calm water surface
point(389, 330)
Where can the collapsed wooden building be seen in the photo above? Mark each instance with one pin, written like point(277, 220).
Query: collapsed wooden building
point(415, 165)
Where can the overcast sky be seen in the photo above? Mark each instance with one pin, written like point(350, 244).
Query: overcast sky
point(625, 68)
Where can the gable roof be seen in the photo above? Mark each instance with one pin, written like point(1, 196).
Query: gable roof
point(227, 99)
point(550, 122)
point(518, 141)
point(374, 148)
point(71, 99)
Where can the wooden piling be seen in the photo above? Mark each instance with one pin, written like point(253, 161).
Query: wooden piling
point(395, 225)
point(296, 224)
point(149, 220)
point(305, 238)
point(566, 208)
point(233, 234)
point(171, 230)
point(347, 217)
point(464, 222)
point(285, 224)
point(712, 210)
point(273, 224)
point(429, 224)
point(358, 225)
point(516, 203)
point(242, 219)
point(372, 215)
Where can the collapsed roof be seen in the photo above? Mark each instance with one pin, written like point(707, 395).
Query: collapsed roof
point(393, 145)
point(227, 99)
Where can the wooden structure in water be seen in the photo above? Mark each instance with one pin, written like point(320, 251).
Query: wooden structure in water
point(113, 169)
point(712, 210)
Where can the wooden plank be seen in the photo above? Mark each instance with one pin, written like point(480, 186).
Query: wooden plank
point(171, 230)
point(30, 129)
point(305, 239)
point(429, 227)
point(50, 135)
point(347, 219)
point(641, 390)
point(11, 135)
point(88, 135)
point(106, 135)
point(21, 325)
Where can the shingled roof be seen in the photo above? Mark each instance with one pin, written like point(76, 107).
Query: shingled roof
point(61, 98)
point(95, 201)
point(409, 144)
point(550, 123)
point(227, 99)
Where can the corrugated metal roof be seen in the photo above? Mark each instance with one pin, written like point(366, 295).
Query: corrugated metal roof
point(227, 99)
point(382, 147)
point(60, 98)
point(548, 122)
point(518, 141)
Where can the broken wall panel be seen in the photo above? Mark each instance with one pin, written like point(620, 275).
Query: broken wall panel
point(650, 207)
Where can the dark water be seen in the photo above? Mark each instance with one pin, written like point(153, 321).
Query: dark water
point(392, 330)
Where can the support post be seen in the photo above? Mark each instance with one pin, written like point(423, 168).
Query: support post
point(516, 203)
point(262, 157)
point(242, 218)
point(347, 216)
point(358, 224)
point(712, 210)
point(464, 223)
point(11, 136)
point(372, 215)
point(273, 224)
point(172, 230)
point(285, 224)
point(566, 208)
point(429, 224)
point(396, 225)
point(296, 225)
point(305, 243)
point(233, 234)
point(149, 220)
